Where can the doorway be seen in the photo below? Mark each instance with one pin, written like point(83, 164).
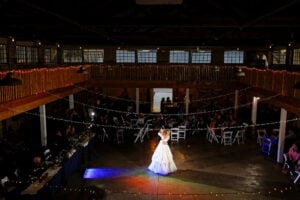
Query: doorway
point(158, 94)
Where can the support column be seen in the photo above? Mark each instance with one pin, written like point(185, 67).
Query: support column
point(137, 100)
point(254, 115)
point(254, 110)
point(43, 125)
point(71, 101)
point(187, 100)
point(236, 103)
point(281, 135)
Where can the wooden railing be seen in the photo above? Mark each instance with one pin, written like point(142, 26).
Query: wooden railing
point(40, 80)
point(163, 72)
point(278, 81)
point(43, 80)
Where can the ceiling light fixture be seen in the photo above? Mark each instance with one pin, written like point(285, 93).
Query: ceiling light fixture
point(9, 80)
point(82, 70)
point(216, 69)
point(240, 73)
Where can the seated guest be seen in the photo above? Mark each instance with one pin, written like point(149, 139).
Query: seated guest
point(162, 122)
point(38, 166)
point(70, 130)
point(219, 122)
point(47, 154)
point(37, 161)
point(141, 120)
point(290, 137)
point(60, 142)
point(294, 152)
point(296, 168)
point(293, 156)
point(212, 124)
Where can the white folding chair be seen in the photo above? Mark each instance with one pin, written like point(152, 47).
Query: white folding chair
point(227, 138)
point(174, 135)
point(182, 132)
point(120, 136)
point(6, 188)
point(133, 123)
point(195, 128)
point(266, 147)
point(212, 136)
point(239, 137)
point(261, 133)
point(298, 176)
point(139, 135)
point(207, 132)
point(285, 162)
point(103, 135)
point(146, 130)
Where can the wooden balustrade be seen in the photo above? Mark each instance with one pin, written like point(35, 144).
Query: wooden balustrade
point(162, 72)
point(42, 80)
point(278, 81)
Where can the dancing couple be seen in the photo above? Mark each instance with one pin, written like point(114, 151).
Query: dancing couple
point(162, 158)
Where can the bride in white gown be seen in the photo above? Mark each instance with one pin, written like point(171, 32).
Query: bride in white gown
point(162, 158)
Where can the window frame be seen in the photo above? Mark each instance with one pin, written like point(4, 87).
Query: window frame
point(235, 57)
point(175, 59)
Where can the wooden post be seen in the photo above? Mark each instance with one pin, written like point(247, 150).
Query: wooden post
point(43, 125)
point(281, 135)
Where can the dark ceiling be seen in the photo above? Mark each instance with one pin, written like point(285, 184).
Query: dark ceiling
point(123, 22)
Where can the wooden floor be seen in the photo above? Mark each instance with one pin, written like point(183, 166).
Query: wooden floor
point(205, 171)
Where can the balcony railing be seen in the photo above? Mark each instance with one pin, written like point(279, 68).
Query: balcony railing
point(43, 80)
point(40, 80)
point(278, 81)
point(163, 72)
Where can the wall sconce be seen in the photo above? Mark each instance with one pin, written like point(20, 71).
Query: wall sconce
point(216, 69)
point(82, 70)
point(9, 80)
point(240, 73)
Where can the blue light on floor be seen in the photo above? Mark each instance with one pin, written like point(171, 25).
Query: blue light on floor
point(95, 173)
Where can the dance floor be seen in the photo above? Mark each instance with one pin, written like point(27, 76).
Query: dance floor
point(205, 171)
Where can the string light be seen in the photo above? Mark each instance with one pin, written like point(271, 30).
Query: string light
point(274, 191)
point(87, 123)
point(175, 114)
point(188, 129)
point(196, 100)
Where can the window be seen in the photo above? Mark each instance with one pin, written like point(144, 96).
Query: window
point(3, 53)
point(50, 55)
point(296, 57)
point(179, 56)
point(72, 55)
point(125, 56)
point(21, 54)
point(201, 56)
point(233, 57)
point(93, 55)
point(32, 55)
point(26, 54)
point(279, 56)
point(147, 56)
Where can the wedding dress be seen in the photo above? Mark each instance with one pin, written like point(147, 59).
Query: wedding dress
point(162, 158)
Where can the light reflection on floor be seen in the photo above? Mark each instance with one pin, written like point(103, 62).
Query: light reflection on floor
point(97, 173)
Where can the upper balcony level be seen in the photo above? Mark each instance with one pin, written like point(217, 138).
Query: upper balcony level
point(39, 81)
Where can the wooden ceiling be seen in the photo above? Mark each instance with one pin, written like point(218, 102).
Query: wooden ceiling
point(124, 22)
